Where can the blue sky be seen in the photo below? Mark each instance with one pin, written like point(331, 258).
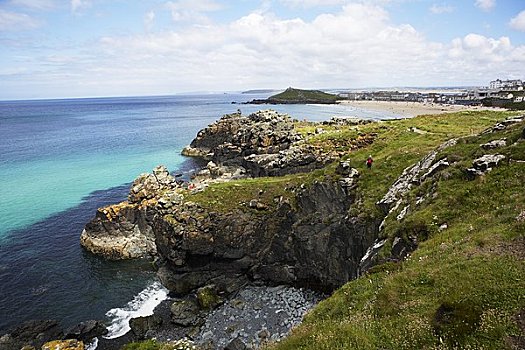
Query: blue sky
point(84, 48)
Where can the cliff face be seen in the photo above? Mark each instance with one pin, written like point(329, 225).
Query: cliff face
point(308, 241)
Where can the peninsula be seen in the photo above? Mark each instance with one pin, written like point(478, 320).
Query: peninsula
point(297, 96)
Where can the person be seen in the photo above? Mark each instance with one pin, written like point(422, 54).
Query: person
point(369, 162)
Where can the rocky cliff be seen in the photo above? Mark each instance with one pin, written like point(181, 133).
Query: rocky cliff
point(124, 231)
point(264, 143)
point(306, 241)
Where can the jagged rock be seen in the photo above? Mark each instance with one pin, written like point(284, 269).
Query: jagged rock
point(487, 161)
point(436, 167)
point(236, 344)
point(207, 297)
point(185, 313)
point(411, 176)
point(31, 333)
point(348, 121)
point(343, 168)
point(494, 144)
point(123, 231)
point(140, 326)
point(484, 164)
point(69, 344)
point(264, 143)
point(120, 231)
point(504, 124)
point(148, 186)
point(402, 247)
point(86, 331)
point(255, 204)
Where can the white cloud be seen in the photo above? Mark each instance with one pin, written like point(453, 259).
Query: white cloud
point(149, 19)
point(357, 46)
point(192, 10)
point(440, 9)
point(312, 3)
point(13, 21)
point(518, 22)
point(79, 5)
point(486, 5)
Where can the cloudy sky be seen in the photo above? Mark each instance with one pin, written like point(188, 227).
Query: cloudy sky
point(82, 48)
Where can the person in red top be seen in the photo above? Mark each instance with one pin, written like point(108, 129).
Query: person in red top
point(369, 162)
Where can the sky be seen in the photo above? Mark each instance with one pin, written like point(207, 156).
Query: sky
point(91, 48)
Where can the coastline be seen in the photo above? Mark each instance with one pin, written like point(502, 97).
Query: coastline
point(413, 109)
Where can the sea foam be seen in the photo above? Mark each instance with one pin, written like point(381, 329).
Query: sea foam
point(142, 305)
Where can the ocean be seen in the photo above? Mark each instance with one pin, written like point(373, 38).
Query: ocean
point(62, 159)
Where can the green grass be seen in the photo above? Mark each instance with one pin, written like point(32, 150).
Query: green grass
point(463, 286)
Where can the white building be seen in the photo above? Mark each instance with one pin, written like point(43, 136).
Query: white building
point(506, 84)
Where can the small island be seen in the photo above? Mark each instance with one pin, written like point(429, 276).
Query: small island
point(298, 96)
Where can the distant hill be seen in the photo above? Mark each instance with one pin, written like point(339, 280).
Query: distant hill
point(297, 96)
point(259, 91)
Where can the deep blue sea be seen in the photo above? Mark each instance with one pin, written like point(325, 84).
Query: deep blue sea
point(62, 159)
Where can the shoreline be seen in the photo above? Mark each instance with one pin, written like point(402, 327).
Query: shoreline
point(413, 109)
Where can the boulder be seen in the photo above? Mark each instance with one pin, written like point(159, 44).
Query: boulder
point(86, 331)
point(148, 186)
point(487, 161)
point(140, 326)
point(207, 297)
point(69, 344)
point(236, 344)
point(494, 144)
point(185, 313)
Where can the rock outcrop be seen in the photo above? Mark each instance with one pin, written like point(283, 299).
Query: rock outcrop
point(49, 335)
point(484, 164)
point(123, 231)
point(309, 241)
point(265, 143)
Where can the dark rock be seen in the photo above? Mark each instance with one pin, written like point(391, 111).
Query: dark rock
point(185, 313)
point(278, 245)
point(140, 326)
point(343, 168)
point(207, 297)
point(236, 344)
point(265, 143)
point(86, 331)
point(31, 333)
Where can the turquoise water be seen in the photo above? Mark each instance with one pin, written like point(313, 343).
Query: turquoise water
point(62, 159)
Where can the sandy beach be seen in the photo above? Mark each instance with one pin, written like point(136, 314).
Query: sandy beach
point(412, 109)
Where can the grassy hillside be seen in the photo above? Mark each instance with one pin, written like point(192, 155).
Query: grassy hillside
point(464, 287)
point(292, 95)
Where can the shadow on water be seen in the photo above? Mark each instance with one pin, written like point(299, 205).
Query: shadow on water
point(45, 273)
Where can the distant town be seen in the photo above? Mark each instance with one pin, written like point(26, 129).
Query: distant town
point(499, 93)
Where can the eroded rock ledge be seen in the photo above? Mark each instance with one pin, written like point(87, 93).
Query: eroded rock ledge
point(123, 230)
point(264, 143)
